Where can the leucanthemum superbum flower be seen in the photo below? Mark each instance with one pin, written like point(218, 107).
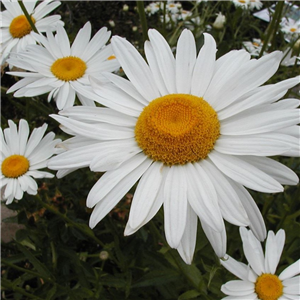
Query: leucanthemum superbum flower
point(23, 157)
point(290, 26)
point(60, 70)
point(258, 279)
point(16, 32)
point(194, 130)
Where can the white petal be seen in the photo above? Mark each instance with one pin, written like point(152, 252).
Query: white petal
point(235, 267)
point(112, 178)
point(238, 288)
point(135, 68)
point(204, 66)
point(185, 61)
point(115, 194)
point(217, 239)
point(245, 173)
point(145, 194)
point(63, 41)
point(34, 139)
point(290, 271)
point(81, 40)
point(187, 244)
point(175, 204)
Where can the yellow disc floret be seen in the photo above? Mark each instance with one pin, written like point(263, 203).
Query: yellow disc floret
point(268, 287)
point(177, 129)
point(20, 26)
point(14, 166)
point(68, 68)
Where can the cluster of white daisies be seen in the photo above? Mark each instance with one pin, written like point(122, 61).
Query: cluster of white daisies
point(193, 130)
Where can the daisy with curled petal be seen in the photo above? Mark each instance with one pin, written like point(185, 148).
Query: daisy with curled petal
point(258, 279)
point(194, 129)
point(22, 158)
point(16, 32)
point(60, 70)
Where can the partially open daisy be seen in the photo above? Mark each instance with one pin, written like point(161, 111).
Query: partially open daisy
point(22, 158)
point(62, 70)
point(16, 32)
point(194, 130)
point(258, 279)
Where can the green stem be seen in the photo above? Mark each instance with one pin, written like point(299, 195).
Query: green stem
point(141, 10)
point(27, 16)
point(6, 284)
point(81, 227)
point(273, 26)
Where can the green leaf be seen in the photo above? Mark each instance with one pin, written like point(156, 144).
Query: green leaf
point(192, 294)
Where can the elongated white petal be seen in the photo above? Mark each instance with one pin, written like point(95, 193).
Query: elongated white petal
point(175, 204)
point(290, 271)
point(238, 288)
point(245, 173)
point(114, 195)
point(145, 195)
point(187, 244)
point(185, 61)
point(204, 66)
point(235, 267)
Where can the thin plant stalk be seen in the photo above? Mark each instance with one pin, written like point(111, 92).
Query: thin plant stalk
point(27, 16)
point(141, 11)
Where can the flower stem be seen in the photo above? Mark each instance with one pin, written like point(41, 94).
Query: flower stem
point(27, 16)
point(141, 10)
point(274, 24)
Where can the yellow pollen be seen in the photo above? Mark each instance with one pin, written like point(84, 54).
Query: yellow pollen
point(293, 29)
point(242, 1)
point(20, 26)
point(14, 166)
point(268, 287)
point(255, 44)
point(177, 129)
point(111, 57)
point(68, 68)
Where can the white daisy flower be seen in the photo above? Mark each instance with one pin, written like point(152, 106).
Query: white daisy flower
point(290, 26)
point(16, 32)
point(193, 129)
point(62, 70)
point(258, 279)
point(254, 47)
point(244, 4)
point(289, 60)
point(255, 4)
point(219, 22)
point(22, 158)
point(153, 8)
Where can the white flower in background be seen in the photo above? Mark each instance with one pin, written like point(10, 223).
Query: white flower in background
point(184, 14)
point(288, 60)
point(193, 130)
point(254, 47)
point(173, 8)
point(258, 279)
point(23, 157)
point(62, 70)
point(244, 4)
point(153, 8)
point(219, 22)
point(290, 26)
point(255, 4)
point(16, 32)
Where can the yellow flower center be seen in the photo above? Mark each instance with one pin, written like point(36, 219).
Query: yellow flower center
point(177, 129)
point(20, 26)
point(111, 57)
point(14, 166)
point(268, 287)
point(293, 29)
point(68, 68)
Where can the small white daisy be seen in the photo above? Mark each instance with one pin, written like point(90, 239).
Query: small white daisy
point(16, 32)
point(255, 4)
point(194, 129)
point(22, 158)
point(290, 26)
point(244, 4)
point(62, 70)
point(258, 279)
point(254, 47)
point(219, 22)
point(289, 60)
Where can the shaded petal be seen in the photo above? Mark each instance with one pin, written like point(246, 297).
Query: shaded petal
point(235, 267)
point(238, 288)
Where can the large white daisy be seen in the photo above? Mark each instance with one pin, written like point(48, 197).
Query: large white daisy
point(62, 70)
point(193, 129)
point(16, 32)
point(258, 279)
point(22, 158)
